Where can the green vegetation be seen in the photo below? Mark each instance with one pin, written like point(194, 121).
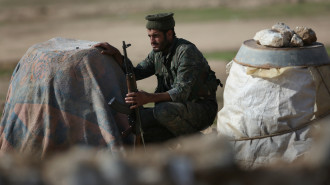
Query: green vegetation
point(6, 69)
point(220, 55)
point(328, 50)
point(278, 10)
point(226, 13)
point(14, 3)
point(227, 56)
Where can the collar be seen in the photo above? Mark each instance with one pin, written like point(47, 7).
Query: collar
point(172, 48)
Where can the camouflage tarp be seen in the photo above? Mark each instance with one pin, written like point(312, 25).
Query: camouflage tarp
point(58, 98)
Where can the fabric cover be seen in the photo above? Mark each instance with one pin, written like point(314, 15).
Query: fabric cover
point(269, 114)
point(58, 97)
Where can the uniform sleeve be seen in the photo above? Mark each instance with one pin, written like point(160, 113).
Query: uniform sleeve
point(188, 71)
point(145, 68)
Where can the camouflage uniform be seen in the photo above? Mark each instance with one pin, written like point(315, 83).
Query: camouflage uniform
point(185, 74)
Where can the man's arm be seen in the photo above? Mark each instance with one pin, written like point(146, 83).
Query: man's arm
point(187, 74)
point(141, 98)
point(108, 49)
point(189, 69)
point(143, 70)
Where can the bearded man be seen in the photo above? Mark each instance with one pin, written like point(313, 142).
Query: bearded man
point(185, 97)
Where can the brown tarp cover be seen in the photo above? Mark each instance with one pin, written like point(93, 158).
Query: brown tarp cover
point(58, 97)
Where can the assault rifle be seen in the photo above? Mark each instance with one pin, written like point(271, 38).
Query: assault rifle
point(122, 108)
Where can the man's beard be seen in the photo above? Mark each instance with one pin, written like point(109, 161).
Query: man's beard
point(162, 46)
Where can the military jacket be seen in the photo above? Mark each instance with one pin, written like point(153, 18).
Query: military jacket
point(184, 72)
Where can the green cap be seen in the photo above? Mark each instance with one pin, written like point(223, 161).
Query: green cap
point(161, 21)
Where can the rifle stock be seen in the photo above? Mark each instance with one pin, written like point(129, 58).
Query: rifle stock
point(119, 107)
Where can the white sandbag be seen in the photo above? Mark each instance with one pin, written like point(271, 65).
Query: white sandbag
point(271, 117)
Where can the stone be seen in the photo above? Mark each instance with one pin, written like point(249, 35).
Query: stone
point(87, 166)
point(319, 157)
point(296, 41)
point(286, 32)
point(307, 34)
point(280, 26)
point(20, 169)
point(186, 160)
point(268, 37)
point(194, 158)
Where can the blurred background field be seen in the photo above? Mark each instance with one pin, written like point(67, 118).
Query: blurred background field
point(217, 27)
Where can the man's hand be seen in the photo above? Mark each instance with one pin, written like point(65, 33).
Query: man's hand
point(140, 98)
point(137, 99)
point(108, 49)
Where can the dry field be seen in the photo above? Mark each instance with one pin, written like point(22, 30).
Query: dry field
point(22, 25)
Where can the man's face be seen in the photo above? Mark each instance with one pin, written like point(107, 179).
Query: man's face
point(157, 40)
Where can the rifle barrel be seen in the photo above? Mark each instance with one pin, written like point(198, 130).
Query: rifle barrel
point(132, 87)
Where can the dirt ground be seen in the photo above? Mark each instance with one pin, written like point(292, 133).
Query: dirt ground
point(208, 36)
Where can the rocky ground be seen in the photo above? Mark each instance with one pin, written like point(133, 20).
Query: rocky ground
point(194, 160)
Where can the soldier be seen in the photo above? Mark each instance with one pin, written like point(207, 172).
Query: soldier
point(185, 97)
